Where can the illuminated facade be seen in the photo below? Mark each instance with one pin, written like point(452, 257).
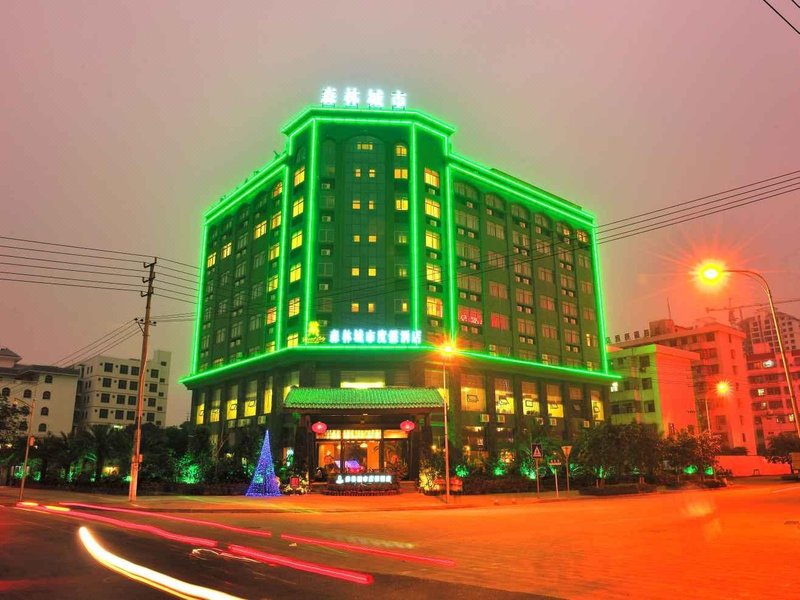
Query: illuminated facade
point(772, 405)
point(350, 259)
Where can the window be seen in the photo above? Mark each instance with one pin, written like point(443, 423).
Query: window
point(499, 321)
point(271, 315)
point(433, 273)
point(275, 222)
point(260, 230)
point(212, 260)
point(295, 273)
point(401, 237)
point(470, 283)
point(297, 240)
point(545, 274)
point(275, 250)
point(567, 281)
point(364, 146)
point(372, 239)
point(496, 260)
point(371, 205)
point(471, 316)
point(400, 173)
point(547, 303)
point(526, 327)
point(466, 220)
point(354, 307)
point(357, 172)
point(372, 271)
point(530, 398)
point(272, 283)
point(356, 238)
point(401, 305)
point(401, 204)
point(549, 332)
point(103, 413)
point(293, 340)
point(433, 307)
point(370, 307)
point(227, 249)
point(45, 395)
point(524, 297)
point(498, 290)
point(587, 287)
point(45, 411)
point(299, 176)
point(432, 240)
point(495, 230)
point(431, 177)
point(276, 191)
point(371, 173)
point(473, 393)
point(432, 208)
point(297, 207)
point(355, 271)
point(294, 307)
point(555, 405)
point(400, 150)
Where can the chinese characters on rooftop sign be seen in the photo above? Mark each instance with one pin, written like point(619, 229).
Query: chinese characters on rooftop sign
point(373, 337)
point(351, 98)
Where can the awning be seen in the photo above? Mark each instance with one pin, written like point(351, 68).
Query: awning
point(304, 399)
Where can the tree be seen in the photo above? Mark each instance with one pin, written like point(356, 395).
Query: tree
point(600, 451)
point(103, 442)
point(779, 446)
point(643, 448)
point(13, 420)
point(680, 451)
point(708, 447)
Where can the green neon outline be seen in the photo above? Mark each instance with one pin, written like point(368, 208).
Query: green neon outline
point(243, 192)
point(598, 292)
point(426, 348)
point(198, 311)
point(452, 275)
point(355, 113)
point(577, 212)
point(414, 218)
point(311, 230)
point(281, 303)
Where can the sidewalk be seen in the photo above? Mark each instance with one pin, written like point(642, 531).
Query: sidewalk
point(408, 500)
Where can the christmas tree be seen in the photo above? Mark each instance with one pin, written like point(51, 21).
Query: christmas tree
point(264, 481)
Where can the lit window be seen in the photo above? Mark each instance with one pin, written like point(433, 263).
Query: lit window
point(401, 204)
point(400, 150)
point(276, 221)
point(271, 315)
point(272, 283)
point(355, 271)
point(401, 237)
point(292, 340)
point(227, 249)
point(432, 178)
point(434, 273)
point(260, 230)
point(274, 251)
point(212, 260)
point(432, 208)
point(297, 239)
point(294, 307)
point(299, 176)
point(356, 204)
point(276, 191)
point(371, 173)
point(297, 207)
point(499, 321)
point(372, 239)
point(294, 273)
point(357, 172)
point(372, 272)
point(356, 238)
point(364, 146)
point(400, 173)
point(371, 307)
point(354, 307)
point(371, 205)
point(433, 307)
point(432, 240)
point(401, 305)
point(402, 271)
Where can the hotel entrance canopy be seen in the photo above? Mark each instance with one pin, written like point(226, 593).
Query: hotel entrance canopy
point(363, 399)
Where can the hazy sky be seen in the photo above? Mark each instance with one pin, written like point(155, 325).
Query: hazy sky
point(121, 122)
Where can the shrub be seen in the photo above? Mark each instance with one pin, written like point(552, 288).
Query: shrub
point(618, 489)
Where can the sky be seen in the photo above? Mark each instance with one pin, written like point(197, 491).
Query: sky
point(121, 122)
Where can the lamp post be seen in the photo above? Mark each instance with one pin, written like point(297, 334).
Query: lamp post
point(712, 273)
point(32, 407)
point(446, 352)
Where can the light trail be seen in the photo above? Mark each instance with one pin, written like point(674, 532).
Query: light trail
point(446, 562)
point(301, 565)
point(232, 528)
point(155, 579)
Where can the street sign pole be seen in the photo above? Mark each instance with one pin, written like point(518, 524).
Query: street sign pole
point(556, 474)
point(537, 478)
point(536, 454)
point(567, 450)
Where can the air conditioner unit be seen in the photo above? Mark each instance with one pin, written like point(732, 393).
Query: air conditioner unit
point(501, 418)
point(484, 418)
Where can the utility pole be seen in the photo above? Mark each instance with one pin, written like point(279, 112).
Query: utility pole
point(137, 434)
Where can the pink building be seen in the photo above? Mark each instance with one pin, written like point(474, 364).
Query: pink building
point(772, 407)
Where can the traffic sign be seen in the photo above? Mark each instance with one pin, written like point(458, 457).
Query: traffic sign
point(554, 463)
point(536, 451)
point(566, 450)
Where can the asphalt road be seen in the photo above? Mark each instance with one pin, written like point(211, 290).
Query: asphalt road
point(742, 542)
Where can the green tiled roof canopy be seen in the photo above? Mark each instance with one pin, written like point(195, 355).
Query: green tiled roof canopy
point(362, 399)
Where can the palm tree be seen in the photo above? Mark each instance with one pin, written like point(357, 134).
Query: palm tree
point(103, 442)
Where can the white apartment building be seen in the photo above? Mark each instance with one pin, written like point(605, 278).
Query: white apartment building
point(50, 390)
point(109, 385)
point(760, 330)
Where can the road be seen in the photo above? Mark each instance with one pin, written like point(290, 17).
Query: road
point(743, 542)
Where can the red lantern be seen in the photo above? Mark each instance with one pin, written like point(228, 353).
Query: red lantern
point(319, 427)
point(407, 426)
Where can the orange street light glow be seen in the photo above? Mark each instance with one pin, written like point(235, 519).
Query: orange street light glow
point(710, 273)
point(723, 388)
point(160, 581)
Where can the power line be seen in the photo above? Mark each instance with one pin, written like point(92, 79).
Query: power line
point(101, 339)
point(99, 347)
point(65, 269)
point(775, 10)
point(70, 262)
point(160, 266)
point(130, 260)
point(91, 287)
point(134, 285)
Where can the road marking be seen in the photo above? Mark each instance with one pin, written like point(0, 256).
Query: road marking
point(788, 489)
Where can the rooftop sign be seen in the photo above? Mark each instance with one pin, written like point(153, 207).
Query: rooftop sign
point(351, 98)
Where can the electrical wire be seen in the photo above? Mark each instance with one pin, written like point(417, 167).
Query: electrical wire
point(775, 10)
point(101, 339)
point(91, 287)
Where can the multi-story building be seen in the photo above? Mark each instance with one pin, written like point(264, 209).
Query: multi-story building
point(50, 390)
point(760, 329)
point(657, 387)
point(772, 405)
point(719, 375)
point(109, 386)
point(344, 265)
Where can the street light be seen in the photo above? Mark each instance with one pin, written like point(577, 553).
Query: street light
point(712, 273)
point(28, 440)
point(447, 351)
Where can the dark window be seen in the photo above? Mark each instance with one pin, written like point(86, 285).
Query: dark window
point(151, 402)
point(48, 379)
point(163, 363)
point(27, 394)
point(103, 413)
point(132, 400)
point(153, 387)
point(120, 399)
point(122, 384)
point(108, 367)
point(131, 415)
point(45, 395)
point(106, 382)
point(42, 427)
point(134, 370)
point(6, 392)
point(119, 414)
point(105, 397)
point(151, 417)
point(154, 373)
point(45, 411)
point(123, 369)
point(134, 386)
point(647, 383)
